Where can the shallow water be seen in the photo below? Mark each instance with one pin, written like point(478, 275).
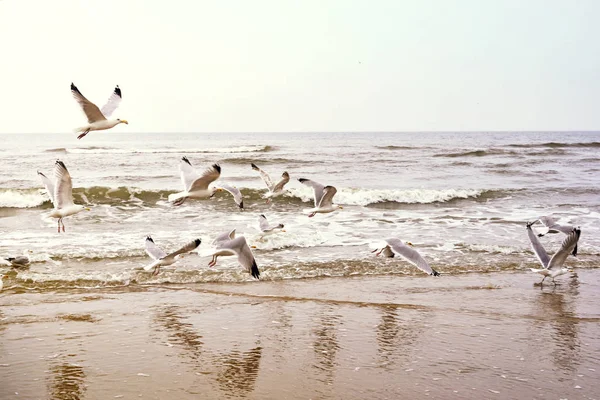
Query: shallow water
point(466, 337)
point(328, 319)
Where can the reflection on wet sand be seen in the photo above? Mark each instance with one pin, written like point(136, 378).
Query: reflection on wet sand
point(67, 382)
point(557, 306)
point(326, 344)
point(237, 371)
point(180, 333)
point(394, 337)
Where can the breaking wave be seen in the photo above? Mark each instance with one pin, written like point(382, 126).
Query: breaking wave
point(477, 153)
point(31, 198)
point(557, 145)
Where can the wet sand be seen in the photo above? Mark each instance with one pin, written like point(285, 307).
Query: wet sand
point(470, 336)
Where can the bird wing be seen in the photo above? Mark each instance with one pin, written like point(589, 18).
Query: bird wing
point(91, 111)
point(328, 193)
point(235, 192)
point(153, 250)
point(285, 178)
point(113, 102)
point(187, 248)
point(244, 254)
point(224, 237)
point(566, 248)
point(265, 177)
point(547, 221)
point(63, 190)
point(263, 223)
point(317, 187)
point(49, 187)
point(537, 247)
point(410, 255)
point(208, 176)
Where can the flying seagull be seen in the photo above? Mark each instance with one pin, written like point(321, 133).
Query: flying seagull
point(198, 186)
point(61, 194)
point(266, 228)
point(274, 189)
point(97, 119)
point(228, 245)
point(395, 246)
point(323, 197)
point(552, 267)
point(163, 259)
point(550, 226)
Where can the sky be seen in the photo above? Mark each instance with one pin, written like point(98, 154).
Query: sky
point(296, 66)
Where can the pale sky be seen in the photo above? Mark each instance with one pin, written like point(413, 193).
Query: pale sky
point(310, 65)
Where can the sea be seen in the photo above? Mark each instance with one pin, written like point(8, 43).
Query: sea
point(461, 198)
point(328, 319)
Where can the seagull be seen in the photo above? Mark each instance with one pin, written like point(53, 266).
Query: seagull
point(228, 245)
point(550, 226)
point(265, 228)
point(97, 119)
point(395, 246)
point(61, 194)
point(18, 262)
point(161, 258)
point(274, 190)
point(552, 266)
point(323, 197)
point(197, 186)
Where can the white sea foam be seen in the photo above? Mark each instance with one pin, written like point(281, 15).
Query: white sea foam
point(363, 197)
point(21, 198)
point(235, 149)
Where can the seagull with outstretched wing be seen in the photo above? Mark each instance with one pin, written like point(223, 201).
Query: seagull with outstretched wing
point(98, 119)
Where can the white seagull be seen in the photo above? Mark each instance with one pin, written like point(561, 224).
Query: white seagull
point(61, 194)
point(161, 258)
point(97, 119)
point(553, 267)
point(198, 186)
point(323, 197)
point(274, 189)
point(395, 246)
point(18, 262)
point(266, 228)
point(550, 226)
point(228, 245)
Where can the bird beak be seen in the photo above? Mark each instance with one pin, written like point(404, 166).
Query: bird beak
point(87, 209)
point(253, 247)
point(340, 207)
point(409, 243)
point(125, 121)
point(283, 230)
point(570, 270)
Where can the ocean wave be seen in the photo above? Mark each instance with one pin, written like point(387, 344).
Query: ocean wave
point(477, 153)
point(398, 147)
point(557, 145)
point(259, 161)
point(112, 150)
point(35, 197)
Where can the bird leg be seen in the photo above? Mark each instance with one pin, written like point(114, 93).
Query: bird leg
point(83, 134)
point(213, 262)
point(553, 282)
point(312, 214)
point(542, 282)
point(268, 201)
point(378, 252)
point(156, 270)
point(63, 225)
point(58, 222)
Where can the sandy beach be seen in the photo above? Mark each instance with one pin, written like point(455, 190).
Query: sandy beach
point(466, 337)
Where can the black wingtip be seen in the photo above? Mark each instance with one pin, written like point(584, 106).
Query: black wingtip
point(301, 180)
point(281, 226)
point(241, 205)
point(73, 87)
point(118, 91)
point(529, 224)
point(197, 242)
point(263, 215)
point(254, 167)
point(62, 164)
point(149, 238)
point(254, 271)
point(434, 272)
point(184, 158)
point(217, 167)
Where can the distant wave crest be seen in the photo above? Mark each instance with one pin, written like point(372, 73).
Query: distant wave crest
point(112, 150)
